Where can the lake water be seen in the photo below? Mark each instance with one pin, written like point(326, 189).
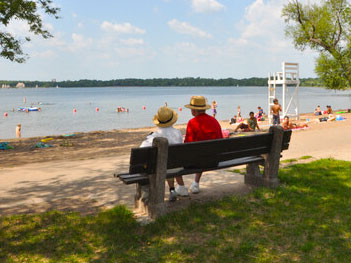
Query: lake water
point(57, 117)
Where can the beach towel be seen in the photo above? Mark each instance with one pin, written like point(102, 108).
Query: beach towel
point(46, 140)
point(5, 146)
point(42, 145)
point(225, 133)
point(68, 135)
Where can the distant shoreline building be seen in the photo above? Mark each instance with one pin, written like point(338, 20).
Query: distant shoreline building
point(5, 86)
point(20, 85)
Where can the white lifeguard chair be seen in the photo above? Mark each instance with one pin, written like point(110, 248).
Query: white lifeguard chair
point(288, 79)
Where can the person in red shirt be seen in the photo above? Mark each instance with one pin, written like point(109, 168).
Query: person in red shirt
point(200, 128)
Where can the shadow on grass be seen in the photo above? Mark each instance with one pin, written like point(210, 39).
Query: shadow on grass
point(304, 220)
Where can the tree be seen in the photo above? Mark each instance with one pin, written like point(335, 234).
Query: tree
point(23, 10)
point(326, 28)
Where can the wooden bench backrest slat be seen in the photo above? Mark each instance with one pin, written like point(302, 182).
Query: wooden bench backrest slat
point(205, 153)
point(202, 155)
point(142, 160)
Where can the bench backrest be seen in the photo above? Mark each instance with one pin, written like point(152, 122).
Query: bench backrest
point(205, 153)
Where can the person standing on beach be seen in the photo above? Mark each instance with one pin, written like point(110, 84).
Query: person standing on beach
point(200, 128)
point(164, 120)
point(239, 112)
point(214, 111)
point(275, 109)
point(18, 131)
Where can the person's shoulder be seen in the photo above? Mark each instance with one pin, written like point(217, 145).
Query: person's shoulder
point(175, 130)
point(192, 120)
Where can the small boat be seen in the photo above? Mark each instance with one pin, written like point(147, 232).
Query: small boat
point(25, 109)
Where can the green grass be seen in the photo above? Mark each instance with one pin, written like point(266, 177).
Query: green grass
point(305, 157)
point(306, 219)
point(289, 160)
point(238, 171)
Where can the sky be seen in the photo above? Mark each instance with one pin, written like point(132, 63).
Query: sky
point(116, 39)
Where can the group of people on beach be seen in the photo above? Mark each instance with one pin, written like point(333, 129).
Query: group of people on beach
point(286, 124)
point(201, 127)
point(318, 110)
point(251, 124)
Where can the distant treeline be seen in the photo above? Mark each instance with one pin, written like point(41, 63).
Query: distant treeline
point(158, 82)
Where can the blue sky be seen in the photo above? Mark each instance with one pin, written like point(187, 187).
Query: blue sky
point(112, 39)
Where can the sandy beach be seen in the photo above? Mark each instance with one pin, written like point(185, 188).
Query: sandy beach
point(77, 173)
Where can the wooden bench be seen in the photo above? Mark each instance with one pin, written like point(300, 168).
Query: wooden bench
point(150, 166)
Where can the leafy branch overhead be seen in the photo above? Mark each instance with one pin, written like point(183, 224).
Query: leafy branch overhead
point(326, 28)
point(27, 11)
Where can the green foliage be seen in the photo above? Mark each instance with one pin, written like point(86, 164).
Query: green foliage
point(27, 11)
point(325, 28)
point(306, 219)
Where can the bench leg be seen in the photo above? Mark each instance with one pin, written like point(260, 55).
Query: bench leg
point(272, 160)
point(142, 198)
point(253, 175)
point(149, 199)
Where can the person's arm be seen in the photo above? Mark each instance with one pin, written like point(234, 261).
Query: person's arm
point(148, 141)
point(189, 135)
point(258, 128)
point(280, 107)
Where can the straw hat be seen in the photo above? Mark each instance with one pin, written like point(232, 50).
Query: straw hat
point(165, 117)
point(198, 103)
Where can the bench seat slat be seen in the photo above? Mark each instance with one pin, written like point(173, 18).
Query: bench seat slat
point(143, 179)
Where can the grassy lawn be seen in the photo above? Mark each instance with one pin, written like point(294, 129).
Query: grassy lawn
point(307, 219)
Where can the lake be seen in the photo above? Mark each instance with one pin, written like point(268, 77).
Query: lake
point(57, 117)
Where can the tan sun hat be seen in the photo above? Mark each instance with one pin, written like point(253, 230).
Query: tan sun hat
point(198, 103)
point(165, 117)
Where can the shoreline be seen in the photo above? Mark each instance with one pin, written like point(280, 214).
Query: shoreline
point(224, 125)
point(100, 144)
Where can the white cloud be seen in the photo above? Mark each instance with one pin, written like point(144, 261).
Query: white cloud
point(187, 29)
point(80, 25)
point(18, 28)
point(125, 28)
point(132, 41)
point(204, 6)
point(190, 52)
point(263, 27)
point(79, 42)
point(237, 42)
point(56, 41)
point(262, 40)
point(49, 27)
point(44, 54)
point(128, 52)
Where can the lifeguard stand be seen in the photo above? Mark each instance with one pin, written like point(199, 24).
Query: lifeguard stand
point(288, 79)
